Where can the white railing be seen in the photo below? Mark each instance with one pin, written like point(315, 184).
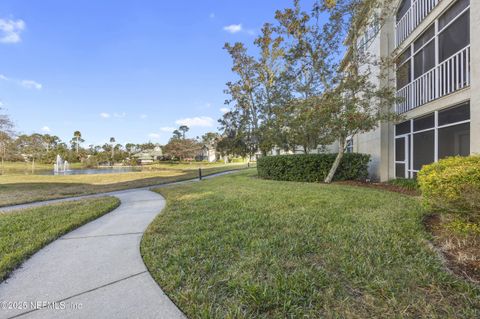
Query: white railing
point(412, 18)
point(449, 76)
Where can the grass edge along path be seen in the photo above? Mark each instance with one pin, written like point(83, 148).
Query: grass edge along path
point(240, 247)
point(26, 231)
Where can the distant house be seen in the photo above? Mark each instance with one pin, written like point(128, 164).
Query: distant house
point(150, 155)
point(208, 153)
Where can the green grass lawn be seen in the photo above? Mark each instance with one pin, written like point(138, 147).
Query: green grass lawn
point(237, 246)
point(17, 189)
point(24, 232)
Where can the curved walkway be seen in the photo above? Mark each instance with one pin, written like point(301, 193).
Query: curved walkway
point(95, 271)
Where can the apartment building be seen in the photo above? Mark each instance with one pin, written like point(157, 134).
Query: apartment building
point(437, 54)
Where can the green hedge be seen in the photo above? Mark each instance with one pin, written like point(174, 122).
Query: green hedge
point(312, 167)
point(452, 184)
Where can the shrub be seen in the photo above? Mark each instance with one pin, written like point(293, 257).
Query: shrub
point(452, 185)
point(312, 167)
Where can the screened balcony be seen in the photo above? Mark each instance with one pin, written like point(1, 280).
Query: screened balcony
point(438, 62)
point(409, 15)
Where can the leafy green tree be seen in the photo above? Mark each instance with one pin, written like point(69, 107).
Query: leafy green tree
point(6, 133)
point(31, 146)
point(182, 149)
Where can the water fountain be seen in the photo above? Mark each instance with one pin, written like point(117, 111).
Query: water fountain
point(60, 165)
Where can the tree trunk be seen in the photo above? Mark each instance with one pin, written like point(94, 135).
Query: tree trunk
point(336, 163)
point(77, 144)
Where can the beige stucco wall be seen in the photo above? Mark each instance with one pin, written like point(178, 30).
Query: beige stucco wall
point(475, 83)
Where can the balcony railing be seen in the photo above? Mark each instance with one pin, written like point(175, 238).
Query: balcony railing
point(449, 76)
point(412, 18)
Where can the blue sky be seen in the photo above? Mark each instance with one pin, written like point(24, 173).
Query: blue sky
point(129, 69)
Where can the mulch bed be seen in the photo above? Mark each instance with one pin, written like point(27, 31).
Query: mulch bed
point(461, 252)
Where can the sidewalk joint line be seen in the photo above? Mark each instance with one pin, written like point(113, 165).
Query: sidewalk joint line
point(94, 236)
point(82, 293)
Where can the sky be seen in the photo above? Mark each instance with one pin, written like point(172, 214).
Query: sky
point(134, 70)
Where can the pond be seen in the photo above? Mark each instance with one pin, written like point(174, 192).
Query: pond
point(89, 171)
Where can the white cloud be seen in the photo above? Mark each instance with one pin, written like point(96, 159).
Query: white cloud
point(202, 121)
point(154, 135)
point(233, 28)
point(30, 84)
point(119, 115)
point(167, 129)
point(46, 129)
point(1, 104)
point(143, 116)
point(224, 110)
point(10, 30)
point(104, 115)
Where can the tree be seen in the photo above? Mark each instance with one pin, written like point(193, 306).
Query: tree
point(210, 138)
point(76, 140)
point(31, 146)
point(6, 132)
point(358, 99)
point(184, 129)
point(182, 149)
point(177, 134)
point(112, 142)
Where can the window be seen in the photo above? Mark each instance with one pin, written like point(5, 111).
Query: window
point(424, 60)
point(435, 136)
point(402, 128)
point(349, 146)
point(454, 114)
point(400, 149)
point(400, 170)
point(423, 149)
point(454, 140)
point(454, 37)
point(402, 9)
point(404, 69)
point(424, 122)
point(424, 38)
point(451, 13)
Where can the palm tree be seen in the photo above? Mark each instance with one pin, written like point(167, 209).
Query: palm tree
point(77, 136)
point(112, 141)
point(184, 129)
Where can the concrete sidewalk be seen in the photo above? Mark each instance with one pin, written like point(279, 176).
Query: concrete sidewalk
point(96, 271)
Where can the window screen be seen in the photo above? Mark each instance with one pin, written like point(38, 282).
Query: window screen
point(454, 140)
point(454, 114)
point(423, 149)
point(424, 122)
point(425, 37)
point(400, 149)
point(400, 170)
point(455, 37)
point(402, 128)
point(424, 60)
point(402, 9)
point(451, 13)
